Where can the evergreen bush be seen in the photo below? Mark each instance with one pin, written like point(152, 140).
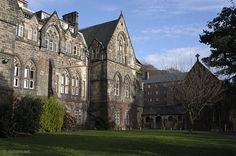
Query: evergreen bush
point(69, 122)
point(52, 116)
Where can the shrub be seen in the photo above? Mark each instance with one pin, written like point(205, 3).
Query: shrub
point(33, 114)
point(69, 122)
point(5, 120)
point(52, 116)
point(27, 114)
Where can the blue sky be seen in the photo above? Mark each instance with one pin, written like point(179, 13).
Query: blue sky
point(164, 33)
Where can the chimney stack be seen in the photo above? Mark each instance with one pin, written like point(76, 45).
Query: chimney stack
point(72, 19)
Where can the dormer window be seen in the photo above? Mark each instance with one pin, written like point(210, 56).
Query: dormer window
point(52, 41)
point(32, 34)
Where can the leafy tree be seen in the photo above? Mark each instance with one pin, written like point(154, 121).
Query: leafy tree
point(221, 37)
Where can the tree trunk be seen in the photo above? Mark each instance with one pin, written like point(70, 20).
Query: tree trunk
point(191, 122)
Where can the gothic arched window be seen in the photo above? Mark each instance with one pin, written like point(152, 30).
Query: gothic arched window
point(127, 87)
point(65, 79)
point(32, 34)
point(17, 68)
point(52, 40)
point(29, 75)
point(75, 85)
point(120, 54)
point(117, 85)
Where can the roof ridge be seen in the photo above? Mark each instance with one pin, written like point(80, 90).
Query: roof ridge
point(98, 25)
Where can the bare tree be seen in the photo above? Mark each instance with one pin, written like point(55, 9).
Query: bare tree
point(199, 89)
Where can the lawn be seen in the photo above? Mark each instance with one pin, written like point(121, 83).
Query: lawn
point(127, 143)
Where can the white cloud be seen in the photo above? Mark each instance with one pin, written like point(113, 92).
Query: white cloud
point(175, 30)
point(176, 7)
point(179, 58)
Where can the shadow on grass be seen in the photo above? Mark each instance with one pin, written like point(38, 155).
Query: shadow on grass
point(121, 143)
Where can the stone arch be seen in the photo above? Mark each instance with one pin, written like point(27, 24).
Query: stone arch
point(30, 74)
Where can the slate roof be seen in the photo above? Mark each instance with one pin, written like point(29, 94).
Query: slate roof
point(167, 77)
point(101, 32)
point(164, 110)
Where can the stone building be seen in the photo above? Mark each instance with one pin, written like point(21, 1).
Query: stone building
point(115, 74)
point(161, 110)
point(42, 54)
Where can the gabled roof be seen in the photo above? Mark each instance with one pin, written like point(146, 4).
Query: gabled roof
point(168, 77)
point(101, 32)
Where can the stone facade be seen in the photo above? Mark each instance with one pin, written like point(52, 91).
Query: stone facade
point(161, 110)
point(44, 55)
point(115, 73)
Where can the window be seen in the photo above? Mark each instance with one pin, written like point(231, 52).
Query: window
point(117, 85)
point(75, 86)
point(157, 99)
point(32, 34)
point(56, 83)
point(51, 39)
point(35, 35)
point(20, 30)
point(156, 92)
point(149, 86)
point(68, 47)
point(120, 49)
point(17, 66)
point(78, 116)
point(127, 87)
point(117, 117)
point(30, 31)
point(65, 83)
point(75, 50)
point(127, 118)
point(29, 75)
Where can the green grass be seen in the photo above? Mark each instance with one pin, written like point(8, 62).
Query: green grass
point(114, 143)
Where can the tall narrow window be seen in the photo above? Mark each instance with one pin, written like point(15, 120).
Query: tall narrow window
point(68, 47)
point(127, 87)
point(117, 117)
point(65, 83)
point(35, 35)
point(30, 32)
point(17, 67)
point(117, 86)
point(73, 86)
point(120, 53)
point(56, 83)
point(77, 86)
point(127, 118)
point(78, 116)
point(20, 30)
point(75, 50)
point(29, 75)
